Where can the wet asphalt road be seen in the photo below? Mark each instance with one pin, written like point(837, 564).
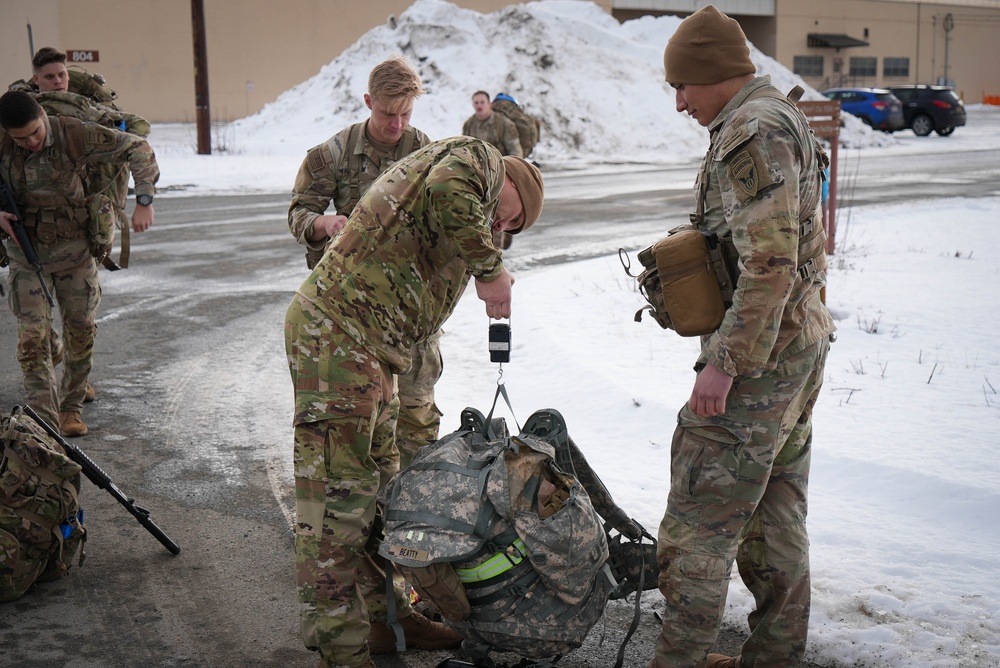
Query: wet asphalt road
point(192, 420)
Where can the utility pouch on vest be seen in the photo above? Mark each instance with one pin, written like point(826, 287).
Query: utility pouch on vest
point(685, 282)
point(438, 583)
point(101, 221)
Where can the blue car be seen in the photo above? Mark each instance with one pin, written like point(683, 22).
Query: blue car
point(876, 107)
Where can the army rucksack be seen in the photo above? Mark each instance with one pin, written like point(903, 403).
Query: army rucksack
point(41, 521)
point(499, 535)
point(91, 85)
point(528, 127)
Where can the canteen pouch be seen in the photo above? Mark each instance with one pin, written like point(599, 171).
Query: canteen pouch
point(681, 284)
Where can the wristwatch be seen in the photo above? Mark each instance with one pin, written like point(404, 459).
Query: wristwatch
point(143, 200)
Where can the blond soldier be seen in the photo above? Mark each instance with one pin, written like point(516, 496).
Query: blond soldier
point(740, 453)
point(40, 158)
point(389, 280)
point(496, 129)
point(337, 173)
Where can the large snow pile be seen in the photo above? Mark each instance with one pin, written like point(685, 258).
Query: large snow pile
point(597, 84)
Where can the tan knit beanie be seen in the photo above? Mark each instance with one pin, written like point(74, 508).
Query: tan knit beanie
point(707, 47)
point(528, 181)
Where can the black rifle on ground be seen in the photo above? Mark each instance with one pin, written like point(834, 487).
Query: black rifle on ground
point(10, 206)
point(101, 479)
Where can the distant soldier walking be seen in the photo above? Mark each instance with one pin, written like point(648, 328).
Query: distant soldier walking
point(496, 129)
point(40, 160)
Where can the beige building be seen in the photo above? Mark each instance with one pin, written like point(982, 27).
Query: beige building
point(256, 49)
point(866, 43)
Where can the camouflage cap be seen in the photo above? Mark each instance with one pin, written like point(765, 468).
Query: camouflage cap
point(528, 180)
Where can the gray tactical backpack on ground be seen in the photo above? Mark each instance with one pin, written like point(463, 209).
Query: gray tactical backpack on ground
point(500, 535)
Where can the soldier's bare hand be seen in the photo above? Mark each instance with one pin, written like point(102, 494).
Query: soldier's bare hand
point(496, 294)
point(142, 218)
point(710, 391)
point(326, 227)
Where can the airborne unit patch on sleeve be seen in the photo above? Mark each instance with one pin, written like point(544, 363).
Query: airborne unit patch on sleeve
point(750, 172)
point(743, 173)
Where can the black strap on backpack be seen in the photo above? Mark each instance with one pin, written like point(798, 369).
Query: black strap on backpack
point(630, 561)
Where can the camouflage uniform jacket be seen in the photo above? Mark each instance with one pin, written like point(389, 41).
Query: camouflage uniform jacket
point(497, 130)
point(395, 272)
point(326, 176)
point(49, 185)
point(763, 181)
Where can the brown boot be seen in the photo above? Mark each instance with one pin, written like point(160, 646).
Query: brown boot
point(90, 394)
point(420, 633)
point(721, 661)
point(71, 424)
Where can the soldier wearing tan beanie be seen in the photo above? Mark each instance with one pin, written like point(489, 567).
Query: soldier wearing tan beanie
point(740, 452)
point(707, 47)
point(527, 179)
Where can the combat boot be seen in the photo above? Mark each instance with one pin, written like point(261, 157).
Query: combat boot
point(90, 394)
point(721, 661)
point(420, 633)
point(71, 424)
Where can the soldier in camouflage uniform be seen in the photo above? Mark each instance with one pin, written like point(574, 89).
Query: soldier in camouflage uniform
point(43, 160)
point(388, 281)
point(82, 95)
point(496, 129)
point(339, 171)
point(741, 449)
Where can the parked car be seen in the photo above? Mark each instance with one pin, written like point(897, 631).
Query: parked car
point(877, 107)
point(928, 108)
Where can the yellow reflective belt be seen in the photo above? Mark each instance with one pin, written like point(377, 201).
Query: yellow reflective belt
point(500, 562)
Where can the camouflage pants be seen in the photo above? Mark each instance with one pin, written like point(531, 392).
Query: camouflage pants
point(77, 291)
point(419, 417)
point(344, 452)
point(738, 488)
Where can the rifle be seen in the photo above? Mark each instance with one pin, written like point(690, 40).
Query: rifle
point(17, 226)
point(101, 479)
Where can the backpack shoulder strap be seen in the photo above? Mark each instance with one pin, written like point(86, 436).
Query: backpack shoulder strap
point(76, 137)
point(407, 142)
point(351, 160)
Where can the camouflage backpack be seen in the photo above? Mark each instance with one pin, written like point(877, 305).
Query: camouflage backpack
point(81, 82)
point(498, 534)
point(528, 127)
point(94, 86)
point(41, 522)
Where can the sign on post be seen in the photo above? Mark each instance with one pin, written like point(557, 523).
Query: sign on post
point(824, 119)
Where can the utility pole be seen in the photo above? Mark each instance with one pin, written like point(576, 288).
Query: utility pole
point(949, 23)
point(203, 116)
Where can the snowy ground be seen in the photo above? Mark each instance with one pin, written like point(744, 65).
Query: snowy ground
point(906, 481)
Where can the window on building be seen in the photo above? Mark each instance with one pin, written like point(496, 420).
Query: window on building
point(864, 66)
point(808, 66)
point(895, 67)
